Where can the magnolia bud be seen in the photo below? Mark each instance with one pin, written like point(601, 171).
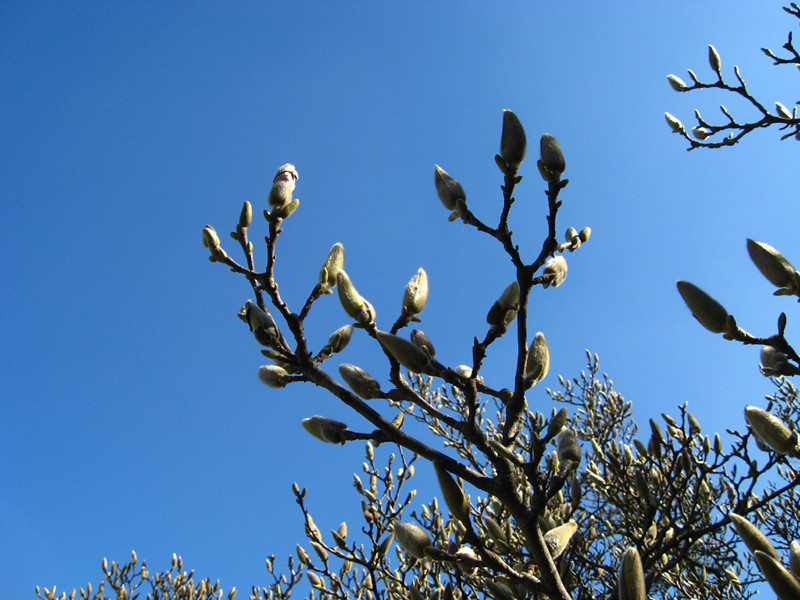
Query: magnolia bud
point(421, 341)
point(773, 361)
point(273, 376)
point(552, 162)
point(210, 238)
point(555, 271)
point(714, 59)
point(752, 536)
point(260, 323)
point(711, 314)
point(677, 83)
point(674, 123)
point(513, 143)
point(416, 294)
point(466, 559)
point(466, 372)
point(353, 304)
point(407, 354)
point(538, 362)
point(780, 579)
point(701, 133)
point(505, 308)
point(246, 216)
point(282, 187)
point(361, 382)
point(783, 112)
point(772, 431)
point(585, 233)
point(412, 538)
point(325, 429)
point(557, 423)
point(449, 190)
point(454, 496)
point(630, 581)
point(558, 538)
point(570, 234)
point(340, 338)
point(568, 447)
point(771, 263)
point(331, 266)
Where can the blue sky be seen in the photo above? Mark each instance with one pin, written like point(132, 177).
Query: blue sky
point(134, 418)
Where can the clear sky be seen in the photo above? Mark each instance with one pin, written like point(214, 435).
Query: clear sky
point(133, 417)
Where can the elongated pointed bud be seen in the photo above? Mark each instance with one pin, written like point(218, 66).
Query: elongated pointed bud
point(246, 216)
point(711, 314)
point(412, 538)
point(513, 143)
point(505, 308)
point(677, 83)
point(260, 323)
point(772, 431)
point(448, 189)
point(325, 429)
point(453, 494)
point(352, 302)
point(631, 576)
point(555, 271)
point(558, 538)
point(273, 376)
point(538, 363)
point(569, 449)
point(752, 536)
point(772, 264)
point(361, 382)
point(552, 163)
point(210, 238)
point(280, 194)
point(780, 579)
point(416, 294)
point(557, 423)
point(782, 111)
point(407, 354)
point(340, 338)
point(331, 266)
point(714, 60)
point(674, 123)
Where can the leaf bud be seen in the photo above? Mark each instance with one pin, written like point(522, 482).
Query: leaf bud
point(568, 447)
point(331, 266)
point(780, 579)
point(280, 194)
point(674, 123)
point(557, 423)
point(246, 216)
point(260, 323)
point(772, 431)
point(677, 83)
point(555, 271)
point(630, 581)
point(513, 143)
point(453, 494)
point(772, 264)
point(585, 233)
point(538, 362)
point(412, 538)
point(448, 189)
point(714, 60)
point(558, 538)
point(570, 234)
point(406, 353)
point(273, 376)
point(505, 308)
point(340, 338)
point(752, 536)
point(423, 342)
point(325, 429)
point(361, 382)
point(210, 238)
point(552, 163)
point(710, 313)
point(416, 294)
point(353, 304)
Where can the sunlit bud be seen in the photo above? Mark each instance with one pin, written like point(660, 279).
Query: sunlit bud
point(421, 341)
point(674, 123)
point(555, 271)
point(630, 581)
point(353, 304)
point(714, 59)
point(246, 216)
point(585, 233)
point(752, 536)
point(711, 314)
point(302, 555)
point(513, 143)
point(412, 538)
point(466, 372)
point(416, 294)
point(557, 422)
point(453, 494)
point(407, 354)
point(773, 361)
point(772, 264)
point(772, 431)
point(134, 558)
point(273, 376)
point(449, 190)
point(280, 194)
point(780, 579)
point(331, 266)
point(467, 561)
point(558, 538)
point(210, 238)
point(361, 382)
point(552, 162)
point(794, 558)
point(701, 133)
point(570, 234)
point(677, 83)
point(568, 447)
point(505, 308)
point(260, 323)
point(340, 338)
point(538, 362)
point(325, 429)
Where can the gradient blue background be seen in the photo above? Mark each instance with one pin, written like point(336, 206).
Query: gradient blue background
point(133, 415)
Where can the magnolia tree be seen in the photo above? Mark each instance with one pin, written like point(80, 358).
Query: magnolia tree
point(564, 499)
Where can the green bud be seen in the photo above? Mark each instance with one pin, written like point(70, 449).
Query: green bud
point(557, 423)
point(453, 494)
point(677, 83)
point(246, 216)
point(283, 184)
point(568, 447)
point(558, 538)
point(449, 190)
point(284, 211)
point(752, 536)
point(570, 234)
point(513, 143)
point(780, 579)
point(210, 238)
point(340, 338)
point(260, 323)
point(630, 582)
point(772, 431)
point(772, 264)
point(711, 314)
point(714, 60)
point(585, 233)
point(552, 159)
point(416, 294)
point(406, 353)
point(325, 429)
point(331, 266)
point(674, 123)
point(538, 362)
point(361, 382)
point(412, 538)
point(505, 308)
point(273, 376)
point(421, 341)
point(555, 271)
point(353, 304)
